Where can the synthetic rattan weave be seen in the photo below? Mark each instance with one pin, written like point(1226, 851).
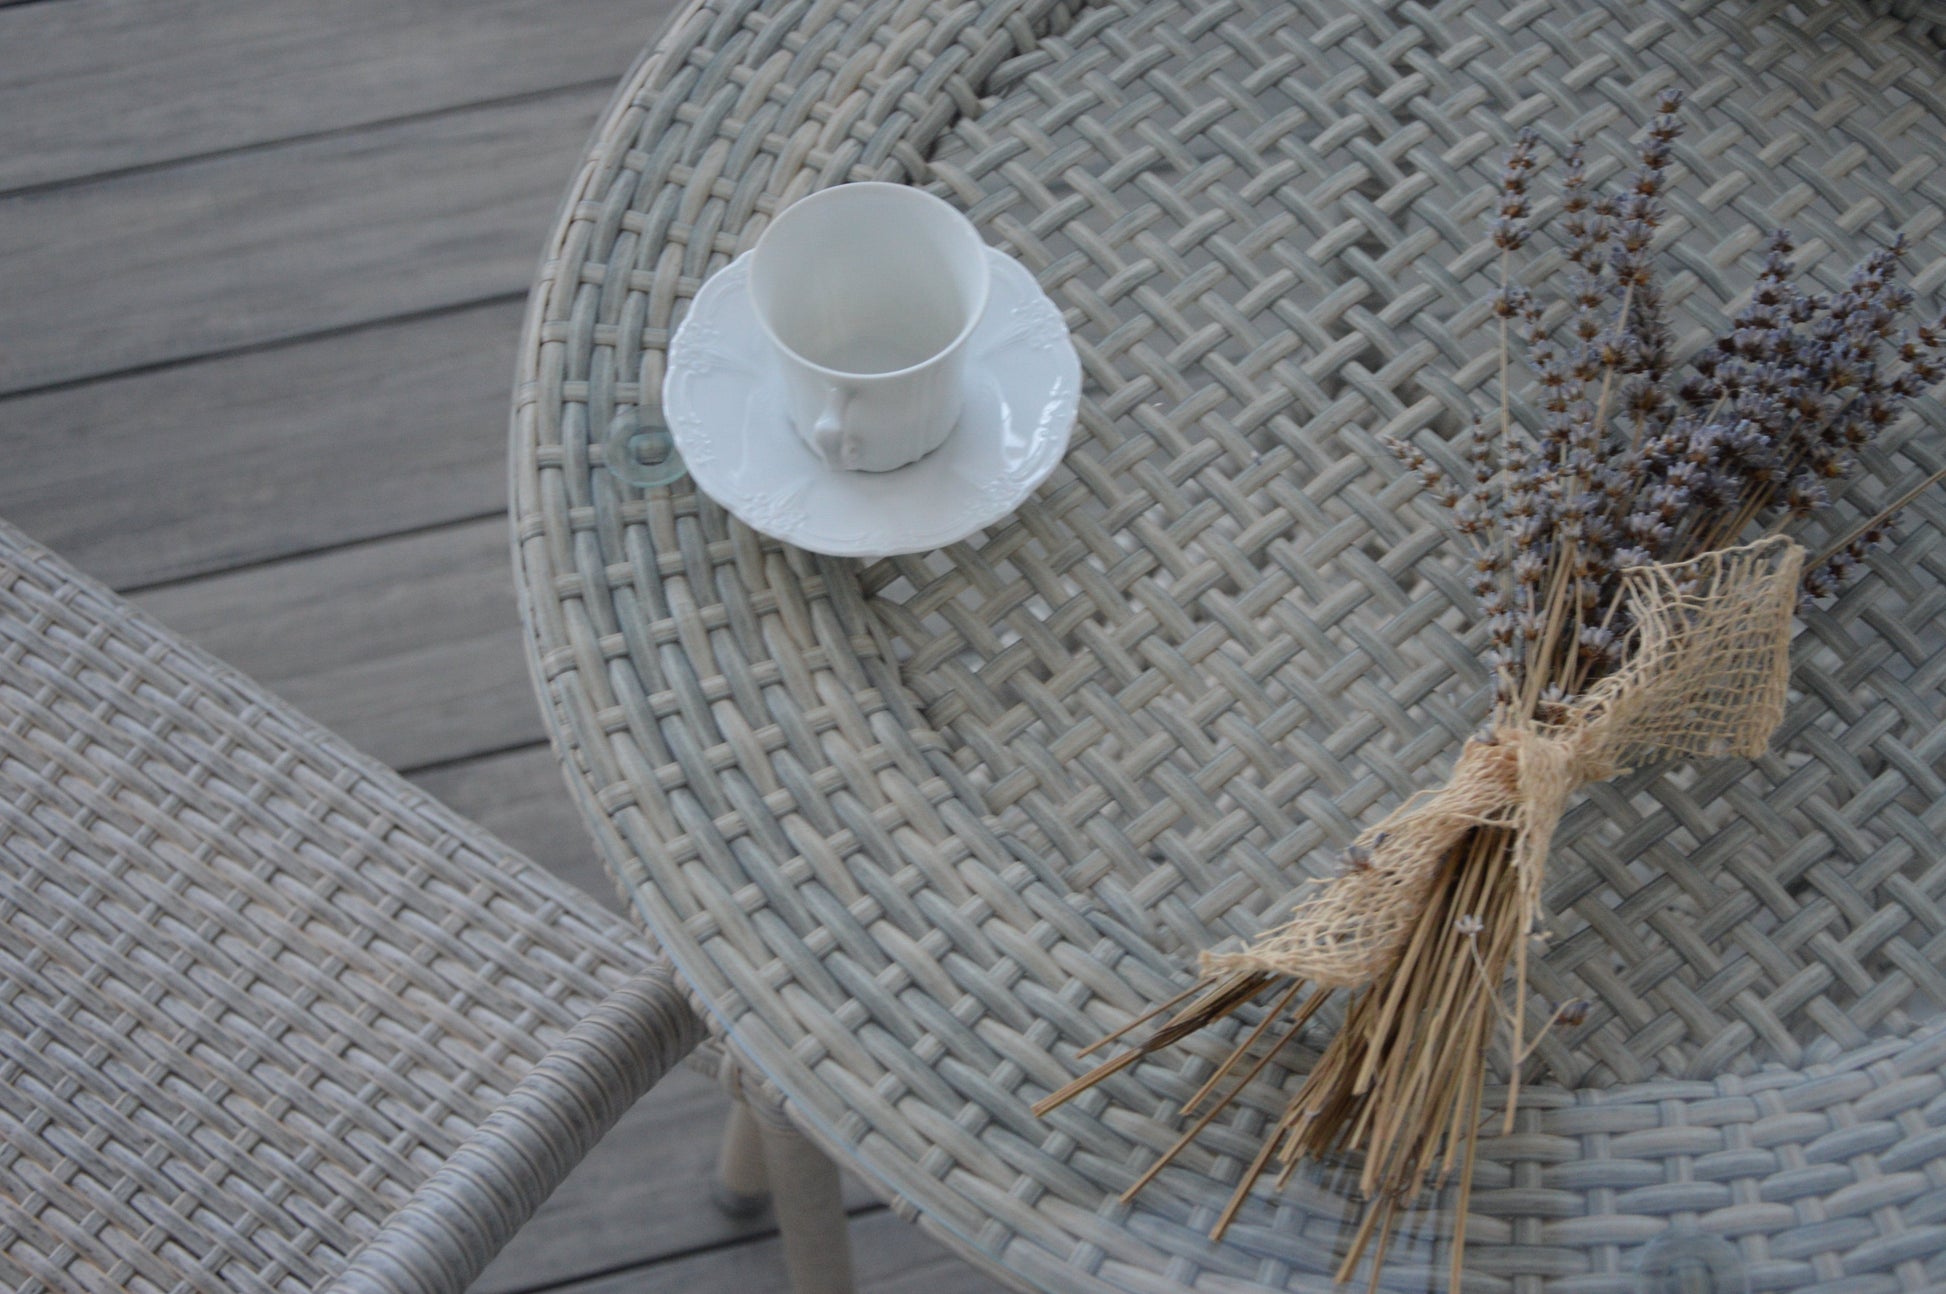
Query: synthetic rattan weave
point(255, 990)
point(918, 829)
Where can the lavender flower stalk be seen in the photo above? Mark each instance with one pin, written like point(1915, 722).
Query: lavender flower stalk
point(1629, 615)
point(1632, 465)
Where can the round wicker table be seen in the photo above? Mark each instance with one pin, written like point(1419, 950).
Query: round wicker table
point(916, 830)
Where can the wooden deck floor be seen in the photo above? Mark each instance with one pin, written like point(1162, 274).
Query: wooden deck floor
point(261, 272)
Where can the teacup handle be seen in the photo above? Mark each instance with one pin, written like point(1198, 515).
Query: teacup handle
point(828, 432)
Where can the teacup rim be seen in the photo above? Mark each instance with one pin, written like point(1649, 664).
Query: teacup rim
point(977, 313)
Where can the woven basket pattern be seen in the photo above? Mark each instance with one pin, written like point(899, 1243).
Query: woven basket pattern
point(918, 829)
point(253, 987)
point(1283, 661)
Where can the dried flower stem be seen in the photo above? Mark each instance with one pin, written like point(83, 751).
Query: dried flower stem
point(1877, 519)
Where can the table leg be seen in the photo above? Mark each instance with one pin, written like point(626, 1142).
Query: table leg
point(763, 1159)
point(810, 1212)
point(741, 1187)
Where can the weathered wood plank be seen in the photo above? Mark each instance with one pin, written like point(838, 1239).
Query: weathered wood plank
point(409, 647)
point(195, 468)
point(520, 797)
point(99, 85)
point(282, 242)
point(890, 1257)
point(638, 1197)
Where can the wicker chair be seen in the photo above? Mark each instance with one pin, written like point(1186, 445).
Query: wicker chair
point(270, 1019)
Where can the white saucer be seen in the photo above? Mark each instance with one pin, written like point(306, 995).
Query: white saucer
point(724, 403)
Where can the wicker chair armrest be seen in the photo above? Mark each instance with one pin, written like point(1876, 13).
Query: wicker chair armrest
point(459, 1218)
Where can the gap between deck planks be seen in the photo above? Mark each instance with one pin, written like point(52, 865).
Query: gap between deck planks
point(214, 255)
point(263, 268)
point(104, 86)
point(244, 459)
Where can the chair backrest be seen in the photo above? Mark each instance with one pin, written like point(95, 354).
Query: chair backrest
point(253, 986)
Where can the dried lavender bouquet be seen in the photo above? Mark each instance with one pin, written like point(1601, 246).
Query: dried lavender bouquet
point(1632, 565)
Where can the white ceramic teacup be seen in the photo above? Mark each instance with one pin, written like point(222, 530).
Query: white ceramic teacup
point(868, 293)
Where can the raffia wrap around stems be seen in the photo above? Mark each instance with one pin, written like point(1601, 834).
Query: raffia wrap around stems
point(1427, 926)
point(1707, 676)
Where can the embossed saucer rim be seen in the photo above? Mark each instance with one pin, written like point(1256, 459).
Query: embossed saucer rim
point(723, 402)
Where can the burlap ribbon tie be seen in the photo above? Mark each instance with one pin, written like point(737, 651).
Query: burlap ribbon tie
point(1706, 676)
